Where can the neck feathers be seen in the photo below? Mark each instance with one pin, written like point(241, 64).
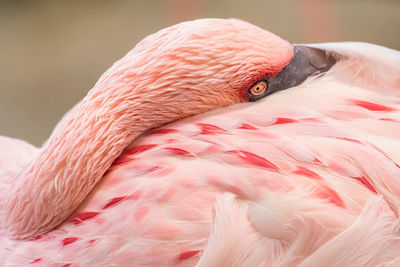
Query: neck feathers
point(81, 149)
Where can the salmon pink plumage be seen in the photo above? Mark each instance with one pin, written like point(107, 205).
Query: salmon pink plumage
point(308, 176)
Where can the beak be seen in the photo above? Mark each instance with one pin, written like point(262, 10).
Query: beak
point(306, 61)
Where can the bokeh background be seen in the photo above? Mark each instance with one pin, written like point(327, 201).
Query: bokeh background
point(52, 52)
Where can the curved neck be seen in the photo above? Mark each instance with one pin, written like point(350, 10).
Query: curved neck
point(81, 149)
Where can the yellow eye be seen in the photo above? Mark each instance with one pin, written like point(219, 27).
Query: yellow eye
point(259, 88)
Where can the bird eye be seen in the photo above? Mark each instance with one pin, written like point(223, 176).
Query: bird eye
point(259, 88)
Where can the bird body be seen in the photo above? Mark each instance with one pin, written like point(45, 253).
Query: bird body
point(306, 176)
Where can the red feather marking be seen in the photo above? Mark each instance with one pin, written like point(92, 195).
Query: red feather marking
point(179, 151)
point(69, 240)
point(211, 129)
point(246, 126)
point(37, 238)
point(139, 149)
point(254, 159)
point(187, 254)
point(317, 161)
point(87, 215)
point(365, 182)
point(36, 260)
point(153, 169)
point(283, 121)
point(388, 119)
point(67, 265)
point(306, 172)
point(121, 160)
point(84, 216)
point(371, 106)
point(157, 171)
point(325, 192)
point(114, 201)
point(163, 131)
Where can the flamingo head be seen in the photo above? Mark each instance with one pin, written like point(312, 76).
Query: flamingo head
point(196, 66)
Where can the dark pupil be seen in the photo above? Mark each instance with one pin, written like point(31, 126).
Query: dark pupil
point(258, 88)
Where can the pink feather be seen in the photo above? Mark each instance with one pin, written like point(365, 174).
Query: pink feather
point(308, 176)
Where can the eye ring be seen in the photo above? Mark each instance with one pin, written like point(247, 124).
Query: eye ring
point(258, 88)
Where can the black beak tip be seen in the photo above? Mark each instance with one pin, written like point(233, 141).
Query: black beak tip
point(318, 60)
point(307, 61)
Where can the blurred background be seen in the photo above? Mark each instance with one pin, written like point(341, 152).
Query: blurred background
point(52, 52)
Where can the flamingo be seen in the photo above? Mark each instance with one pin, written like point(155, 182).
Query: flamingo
point(152, 168)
